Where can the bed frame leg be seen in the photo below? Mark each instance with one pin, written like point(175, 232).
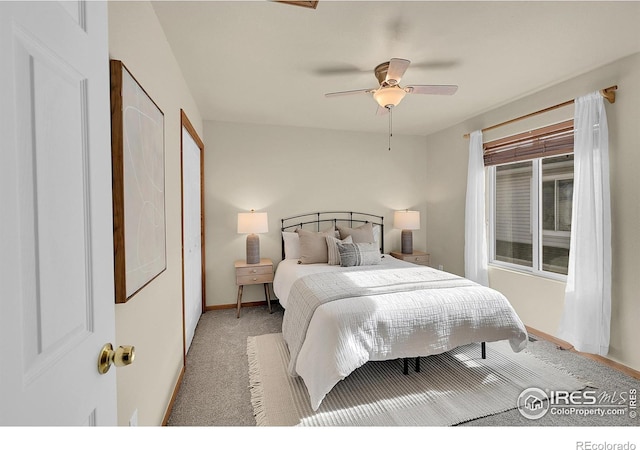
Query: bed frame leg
point(484, 350)
point(417, 364)
point(405, 369)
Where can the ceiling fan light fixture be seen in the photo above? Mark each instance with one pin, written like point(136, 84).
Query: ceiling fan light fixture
point(389, 96)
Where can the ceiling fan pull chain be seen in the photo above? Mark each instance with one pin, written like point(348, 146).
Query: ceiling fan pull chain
point(390, 127)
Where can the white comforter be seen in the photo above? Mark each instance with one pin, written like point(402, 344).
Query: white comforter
point(345, 333)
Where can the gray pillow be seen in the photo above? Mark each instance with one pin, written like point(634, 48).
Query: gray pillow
point(313, 245)
point(332, 248)
point(361, 254)
point(363, 233)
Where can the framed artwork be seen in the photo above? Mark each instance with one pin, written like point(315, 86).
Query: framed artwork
point(137, 146)
point(306, 4)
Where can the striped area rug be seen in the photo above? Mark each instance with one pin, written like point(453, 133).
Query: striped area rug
point(450, 389)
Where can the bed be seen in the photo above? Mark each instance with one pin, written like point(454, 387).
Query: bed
point(338, 316)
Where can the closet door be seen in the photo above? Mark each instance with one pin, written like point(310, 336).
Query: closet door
point(192, 232)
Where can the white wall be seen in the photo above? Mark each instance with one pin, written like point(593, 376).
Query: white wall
point(539, 301)
point(152, 319)
point(286, 171)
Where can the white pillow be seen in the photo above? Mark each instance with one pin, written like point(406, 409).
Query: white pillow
point(332, 248)
point(376, 234)
point(291, 245)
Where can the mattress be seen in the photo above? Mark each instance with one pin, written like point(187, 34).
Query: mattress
point(336, 319)
point(289, 270)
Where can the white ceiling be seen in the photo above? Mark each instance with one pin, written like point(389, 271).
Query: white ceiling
point(271, 63)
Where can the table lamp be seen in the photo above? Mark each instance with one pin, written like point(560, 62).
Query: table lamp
point(407, 221)
point(252, 223)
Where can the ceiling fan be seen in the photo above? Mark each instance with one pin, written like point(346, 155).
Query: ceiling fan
point(389, 93)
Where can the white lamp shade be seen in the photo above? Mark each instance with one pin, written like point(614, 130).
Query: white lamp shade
point(252, 223)
point(406, 220)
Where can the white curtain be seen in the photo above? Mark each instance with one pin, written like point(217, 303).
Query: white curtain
point(475, 235)
point(586, 316)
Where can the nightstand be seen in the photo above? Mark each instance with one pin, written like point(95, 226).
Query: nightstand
point(260, 273)
point(416, 257)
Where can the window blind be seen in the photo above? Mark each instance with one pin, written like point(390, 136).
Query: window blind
point(552, 140)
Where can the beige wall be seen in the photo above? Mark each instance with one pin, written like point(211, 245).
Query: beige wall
point(152, 319)
point(286, 171)
point(538, 300)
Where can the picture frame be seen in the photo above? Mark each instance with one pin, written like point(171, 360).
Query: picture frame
point(313, 4)
point(137, 147)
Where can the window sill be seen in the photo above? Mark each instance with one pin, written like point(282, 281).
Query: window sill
point(527, 271)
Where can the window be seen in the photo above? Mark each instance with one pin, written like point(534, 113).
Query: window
point(531, 199)
point(557, 202)
point(512, 216)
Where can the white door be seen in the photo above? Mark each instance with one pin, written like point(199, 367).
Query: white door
point(56, 249)
point(192, 237)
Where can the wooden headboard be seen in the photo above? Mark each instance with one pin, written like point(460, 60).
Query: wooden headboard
point(315, 221)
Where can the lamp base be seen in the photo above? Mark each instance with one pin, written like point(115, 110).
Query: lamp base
point(253, 249)
point(407, 241)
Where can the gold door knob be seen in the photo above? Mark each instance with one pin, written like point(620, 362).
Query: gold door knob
point(122, 356)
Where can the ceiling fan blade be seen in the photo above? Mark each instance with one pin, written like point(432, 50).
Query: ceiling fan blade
point(397, 68)
point(437, 89)
point(338, 69)
point(357, 91)
point(435, 64)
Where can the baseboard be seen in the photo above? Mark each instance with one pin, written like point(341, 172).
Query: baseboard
point(176, 389)
point(601, 359)
point(547, 337)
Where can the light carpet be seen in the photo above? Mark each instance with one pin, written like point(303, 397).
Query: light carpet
point(450, 389)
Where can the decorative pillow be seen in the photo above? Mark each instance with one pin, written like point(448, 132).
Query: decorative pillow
point(313, 245)
point(377, 231)
point(359, 254)
point(332, 249)
point(291, 245)
point(361, 234)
